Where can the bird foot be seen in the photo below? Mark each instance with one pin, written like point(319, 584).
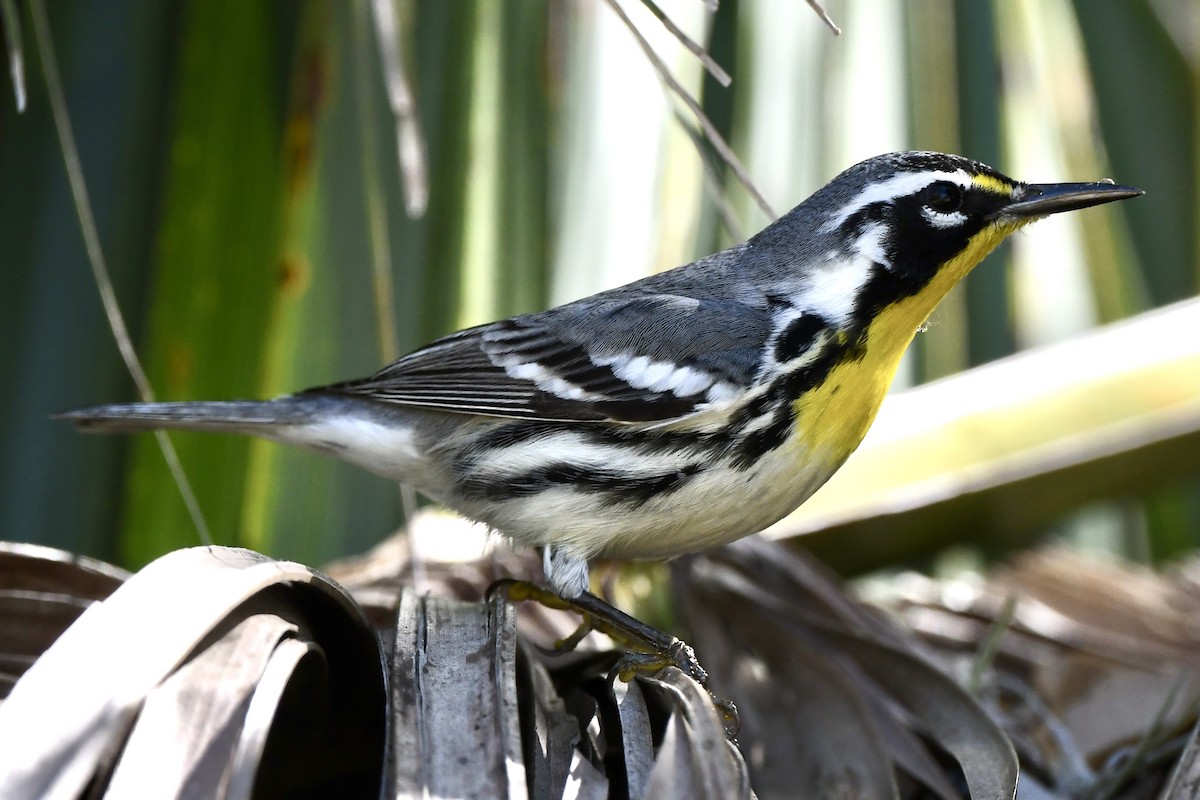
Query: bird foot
point(648, 650)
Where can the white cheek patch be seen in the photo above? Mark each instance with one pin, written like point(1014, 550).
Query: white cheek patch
point(869, 244)
point(832, 289)
point(940, 220)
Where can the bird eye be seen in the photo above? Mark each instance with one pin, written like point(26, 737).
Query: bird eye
point(943, 197)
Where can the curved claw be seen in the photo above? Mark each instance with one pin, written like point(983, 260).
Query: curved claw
point(651, 649)
point(630, 664)
point(679, 654)
point(685, 658)
point(729, 716)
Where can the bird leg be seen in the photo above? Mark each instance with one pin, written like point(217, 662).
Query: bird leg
point(650, 649)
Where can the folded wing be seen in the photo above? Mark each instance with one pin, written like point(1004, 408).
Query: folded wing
point(620, 359)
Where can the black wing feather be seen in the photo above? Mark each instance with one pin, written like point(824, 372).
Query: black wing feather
point(552, 365)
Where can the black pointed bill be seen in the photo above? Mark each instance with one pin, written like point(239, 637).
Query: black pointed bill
point(1040, 199)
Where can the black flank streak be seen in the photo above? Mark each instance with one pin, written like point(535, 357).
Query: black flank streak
point(645, 442)
point(745, 449)
point(813, 374)
point(783, 391)
point(615, 488)
point(513, 434)
point(762, 441)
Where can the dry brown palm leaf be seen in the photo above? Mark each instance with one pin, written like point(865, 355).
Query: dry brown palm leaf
point(212, 672)
point(1185, 781)
point(1090, 672)
point(455, 730)
point(476, 716)
point(42, 591)
point(1094, 673)
point(583, 732)
point(217, 672)
point(378, 578)
point(835, 700)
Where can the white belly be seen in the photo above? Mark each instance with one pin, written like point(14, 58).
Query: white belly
point(714, 507)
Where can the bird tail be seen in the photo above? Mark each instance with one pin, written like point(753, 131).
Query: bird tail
point(375, 437)
point(237, 416)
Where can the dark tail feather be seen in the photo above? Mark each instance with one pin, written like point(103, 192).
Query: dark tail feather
point(236, 416)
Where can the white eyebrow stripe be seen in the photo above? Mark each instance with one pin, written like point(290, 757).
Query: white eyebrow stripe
point(901, 185)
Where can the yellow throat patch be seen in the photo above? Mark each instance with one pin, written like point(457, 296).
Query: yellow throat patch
point(825, 426)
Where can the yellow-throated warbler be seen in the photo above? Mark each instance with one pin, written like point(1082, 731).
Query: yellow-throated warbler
point(680, 411)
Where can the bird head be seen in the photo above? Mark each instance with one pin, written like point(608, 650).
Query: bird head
point(903, 228)
point(883, 243)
